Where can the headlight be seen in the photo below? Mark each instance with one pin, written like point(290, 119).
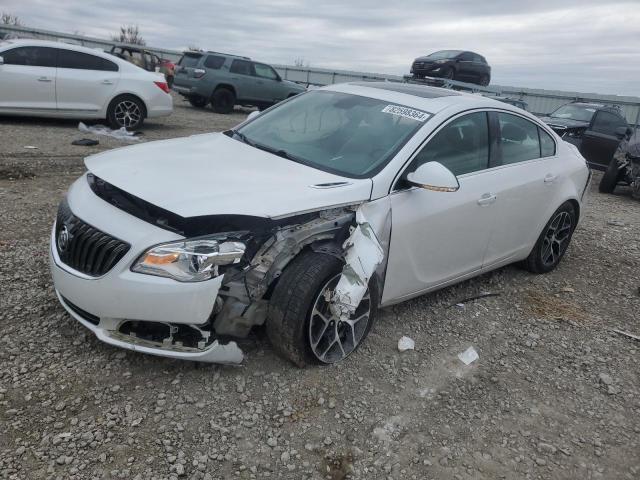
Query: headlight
point(191, 260)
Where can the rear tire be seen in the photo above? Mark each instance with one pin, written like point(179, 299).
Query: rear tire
point(198, 102)
point(295, 304)
point(610, 178)
point(126, 111)
point(553, 241)
point(223, 100)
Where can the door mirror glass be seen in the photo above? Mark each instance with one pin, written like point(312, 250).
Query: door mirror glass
point(433, 176)
point(1, 60)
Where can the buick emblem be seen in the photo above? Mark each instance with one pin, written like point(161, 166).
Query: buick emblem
point(63, 239)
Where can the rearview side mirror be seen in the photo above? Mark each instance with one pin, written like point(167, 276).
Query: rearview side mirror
point(253, 114)
point(434, 176)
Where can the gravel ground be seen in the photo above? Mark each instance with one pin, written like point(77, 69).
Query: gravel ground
point(554, 394)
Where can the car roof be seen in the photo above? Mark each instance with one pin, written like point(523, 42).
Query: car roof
point(27, 42)
point(426, 98)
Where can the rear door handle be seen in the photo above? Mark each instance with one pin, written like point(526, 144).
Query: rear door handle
point(107, 82)
point(44, 79)
point(550, 178)
point(487, 199)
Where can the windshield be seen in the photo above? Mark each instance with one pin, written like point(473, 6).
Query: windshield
point(574, 112)
point(444, 54)
point(345, 134)
point(189, 60)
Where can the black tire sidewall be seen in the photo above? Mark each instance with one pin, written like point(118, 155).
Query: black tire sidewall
point(223, 100)
point(610, 178)
point(534, 261)
point(111, 112)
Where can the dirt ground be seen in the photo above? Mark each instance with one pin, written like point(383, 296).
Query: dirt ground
point(554, 394)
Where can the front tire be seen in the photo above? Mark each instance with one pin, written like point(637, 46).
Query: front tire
point(484, 80)
point(553, 241)
point(126, 111)
point(610, 178)
point(300, 325)
point(449, 74)
point(223, 100)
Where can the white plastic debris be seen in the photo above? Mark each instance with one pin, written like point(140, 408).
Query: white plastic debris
point(406, 343)
point(30, 147)
point(468, 356)
point(121, 134)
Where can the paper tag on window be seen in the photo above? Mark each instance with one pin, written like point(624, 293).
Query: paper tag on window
point(406, 112)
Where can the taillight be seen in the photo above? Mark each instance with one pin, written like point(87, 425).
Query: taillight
point(163, 86)
point(199, 72)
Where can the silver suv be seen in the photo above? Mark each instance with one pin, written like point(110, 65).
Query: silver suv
point(227, 80)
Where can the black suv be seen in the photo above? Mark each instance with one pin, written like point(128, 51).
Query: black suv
point(596, 129)
point(454, 65)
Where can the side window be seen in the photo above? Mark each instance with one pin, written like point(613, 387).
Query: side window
point(518, 138)
point(547, 145)
point(462, 146)
point(214, 62)
point(241, 67)
point(466, 57)
point(84, 61)
point(477, 58)
point(31, 56)
point(265, 71)
point(606, 122)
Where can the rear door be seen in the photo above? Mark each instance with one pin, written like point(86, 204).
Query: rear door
point(28, 78)
point(599, 141)
point(244, 80)
point(465, 66)
point(84, 82)
point(527, 176)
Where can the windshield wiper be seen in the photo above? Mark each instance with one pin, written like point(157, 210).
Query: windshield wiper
point(242, 137)
point(276, 151)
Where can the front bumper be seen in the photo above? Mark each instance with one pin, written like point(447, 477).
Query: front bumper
point(104, 304)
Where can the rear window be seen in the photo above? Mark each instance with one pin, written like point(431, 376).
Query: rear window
point(189, 60)
point(214, 61)
point(84, 61)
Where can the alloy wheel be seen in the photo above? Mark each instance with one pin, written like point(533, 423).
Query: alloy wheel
point(330, 338)
point(127, 113)
point(556, 238)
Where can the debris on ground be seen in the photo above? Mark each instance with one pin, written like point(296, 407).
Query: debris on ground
point(460, 303)
point(626, 334)
point(120, 134)
point(30, 147)
point(468, 356)
point(406, 343)
point(85, 142)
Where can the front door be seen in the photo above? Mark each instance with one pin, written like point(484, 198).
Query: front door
point(438, 237)
point(244, 80)
point(269, 85)
point(28, 79)
point(599, 141)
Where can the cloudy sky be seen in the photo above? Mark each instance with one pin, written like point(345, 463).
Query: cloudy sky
point(576, 45)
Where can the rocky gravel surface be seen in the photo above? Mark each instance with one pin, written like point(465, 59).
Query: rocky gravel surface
point(554, 394)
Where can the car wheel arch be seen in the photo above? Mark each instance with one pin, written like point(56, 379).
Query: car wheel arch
point(129, 94)
point(227, 86)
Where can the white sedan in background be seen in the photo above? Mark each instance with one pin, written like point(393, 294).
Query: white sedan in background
point(308, 217)
point(54, 79)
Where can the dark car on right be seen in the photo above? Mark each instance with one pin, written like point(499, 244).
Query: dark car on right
point(458, 65)
point(596, 129)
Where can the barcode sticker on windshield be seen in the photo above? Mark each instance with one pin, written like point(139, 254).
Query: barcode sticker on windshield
point(406, 112)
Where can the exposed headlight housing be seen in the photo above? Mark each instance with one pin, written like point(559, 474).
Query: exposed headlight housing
point(192, 260)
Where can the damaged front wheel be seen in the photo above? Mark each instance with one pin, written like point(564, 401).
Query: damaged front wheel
point(301, 326)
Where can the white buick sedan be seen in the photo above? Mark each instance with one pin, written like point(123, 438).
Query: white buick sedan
point(53, 79)
point(307, 218)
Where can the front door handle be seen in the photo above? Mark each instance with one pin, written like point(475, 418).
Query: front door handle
point(44, 79)
point(550, 178)
point(107, 82)
point(487, 199)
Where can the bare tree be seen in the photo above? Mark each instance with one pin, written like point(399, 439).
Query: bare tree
point(300, 62)
point(9, 19)
point(129, 34)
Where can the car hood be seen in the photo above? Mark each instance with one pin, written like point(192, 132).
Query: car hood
point(214, 174)
point(424, 59)
point(564, 123)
